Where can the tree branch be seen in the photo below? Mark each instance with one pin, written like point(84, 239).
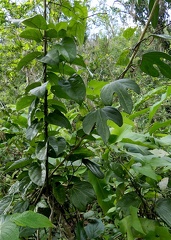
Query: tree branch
point(139, 42)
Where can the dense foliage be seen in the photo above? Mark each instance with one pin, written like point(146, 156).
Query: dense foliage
point(85, 123)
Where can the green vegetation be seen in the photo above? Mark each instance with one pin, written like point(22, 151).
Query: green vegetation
point(85, 122)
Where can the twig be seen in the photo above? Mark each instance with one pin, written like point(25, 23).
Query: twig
point(139, 42)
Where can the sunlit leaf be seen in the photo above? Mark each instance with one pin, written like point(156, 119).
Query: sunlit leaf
point(51, 58)
point(37, 173)
point(31, 219)
point(37, 21)
point(24, 102)
point(32, 34)
point(39, 91)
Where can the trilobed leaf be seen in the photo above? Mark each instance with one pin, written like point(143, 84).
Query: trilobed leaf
point(154, 63)
point(120, 88)
point(99, 119)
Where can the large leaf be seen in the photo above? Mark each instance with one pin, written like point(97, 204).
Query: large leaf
point(37, 173)
point(21, 163)
point(100, 117)
point(152, 59)
point(24, 102)
point(5, 203)
point(27, 59)
point(155, 16)
point(100, 188)
point(39, 91)
point(56, 146)
point(72, 88)
point(81, 194)
point(8, 229)
point(41, 150)
point(31, 219)
point(51, 58)
point(32, 34)
point(94, 229)
point(120, 88)
point(67, 49)
point(59, 192)
point(33, 130)
point(37, 21)
point(163, 209)
point(57, 118)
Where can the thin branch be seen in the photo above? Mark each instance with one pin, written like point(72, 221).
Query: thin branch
point(45, 100)
point(139, 42)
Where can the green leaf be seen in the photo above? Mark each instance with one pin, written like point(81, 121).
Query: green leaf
point(33, 130)
point(27, 59)
point(36, 22)
point(128, 33)
point(39, 91)
point(59, 193)
point(73, 88)
point(123, 59)
point(21, 163)
point(152, 59)
point(51, 58)
point(41, 151)
point(57, 146)
point(31, 34)
point(79, 61)
point(77, 28)
point(31, 219)
point(80, 232)
point(93, 167)
point(163, 36)
point(5, 203)
point(100, 117)
point(81, 194)
point(100, 188)
point(57, 118)
point(37, 173)
point(136, 224)
point(8, 230)
point(81, 153)
point(68, 50)
point(155, 16)
point(24, 102)
point(146, 171)
point(163, 209)
point(94, 229)
point(31, 111)
point(120, 88)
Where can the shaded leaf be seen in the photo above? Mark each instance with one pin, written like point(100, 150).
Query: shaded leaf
point(163, 209)
point(120, 88)
point(73, 88)
point(59, 193)
point(94, 229)
point(8, 230)
point(5, 203)
point(100, 188)
point(51, 58)
point(81, 194)
point(80, 231)
point(57, 118)
point(152, 59)
point(94, 168)
point(39, 91)
point(155, 16)
point(41, 150)
point(37, 174)
point(68, 50)
point(100, 117)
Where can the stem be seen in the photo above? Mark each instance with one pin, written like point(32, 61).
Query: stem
point(140, 41)
point(45, 101)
